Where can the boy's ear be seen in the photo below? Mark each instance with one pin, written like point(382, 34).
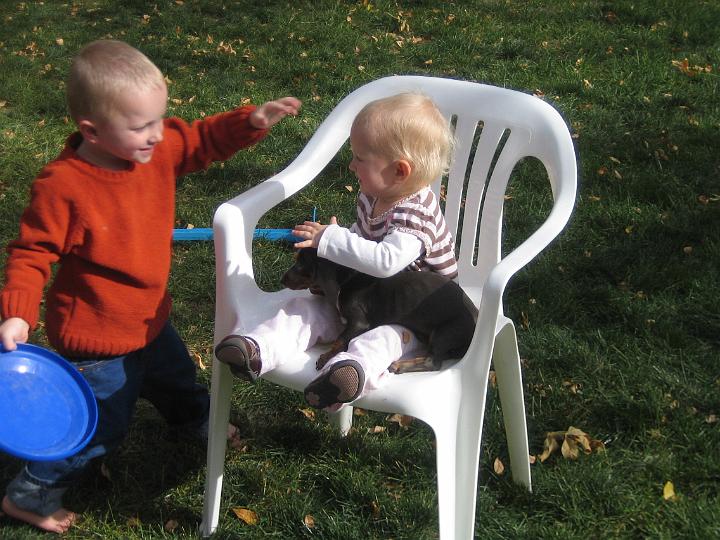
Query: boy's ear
point(403, 169)
point(87, 130)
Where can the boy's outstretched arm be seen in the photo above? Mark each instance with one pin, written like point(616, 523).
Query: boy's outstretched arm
point(270, 113)
point(13, 331)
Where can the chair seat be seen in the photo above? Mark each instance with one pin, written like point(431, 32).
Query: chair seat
point(399, 393)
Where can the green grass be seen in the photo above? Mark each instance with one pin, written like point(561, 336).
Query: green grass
point(624, 304)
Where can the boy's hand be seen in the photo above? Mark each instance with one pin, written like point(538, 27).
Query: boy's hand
point(311, 231)
point(270, 113)
point(13, 331)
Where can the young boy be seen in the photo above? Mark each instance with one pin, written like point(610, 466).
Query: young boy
point(400, 145)
point(104, 210)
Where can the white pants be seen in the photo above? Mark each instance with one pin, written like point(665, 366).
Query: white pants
point(304, 322)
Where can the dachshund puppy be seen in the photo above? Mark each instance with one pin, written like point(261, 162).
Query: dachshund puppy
point(432, 306)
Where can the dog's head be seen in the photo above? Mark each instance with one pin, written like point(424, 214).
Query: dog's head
point(302, 274)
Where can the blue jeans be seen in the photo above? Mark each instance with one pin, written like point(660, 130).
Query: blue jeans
point(161, 372)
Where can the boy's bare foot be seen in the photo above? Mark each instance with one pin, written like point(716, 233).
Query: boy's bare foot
point(57, 522)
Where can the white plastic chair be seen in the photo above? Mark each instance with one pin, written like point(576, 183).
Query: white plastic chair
point(452, 400)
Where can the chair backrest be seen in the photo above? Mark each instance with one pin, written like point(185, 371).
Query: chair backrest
point(495, 128)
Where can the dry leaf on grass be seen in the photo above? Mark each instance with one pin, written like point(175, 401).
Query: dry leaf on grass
point(308, 413)
point(236, 443)
point(402, 420)
point(247, 515)
point(171, 525)
point(105, 471)
point(669, 491)
point(498, 467)
point(570, 443)
point(198, 360)
point(309, 522)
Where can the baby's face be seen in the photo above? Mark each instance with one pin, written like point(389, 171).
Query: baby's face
point(134, 127)
point(374, 172)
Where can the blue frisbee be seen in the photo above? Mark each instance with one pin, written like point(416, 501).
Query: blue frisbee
point(47, 409)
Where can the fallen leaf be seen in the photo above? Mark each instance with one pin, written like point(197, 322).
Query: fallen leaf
point(402, 420)
point(171, 525)
point(711, 419)
point(349, 188)
point(571, 443)
point(236, 443)
point(553, 440)
point(309, 522)
point(569, 448)
point(105, 471)
point(376, 429)
point(669, 491)
point(199, 360)
point(375, 508)
point(498, 467)
point(308, 413)
point(247, 515)
point(524, 320)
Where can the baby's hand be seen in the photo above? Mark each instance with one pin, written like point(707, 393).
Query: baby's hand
point(13, 331)
point(270, 113)
point(311, 231)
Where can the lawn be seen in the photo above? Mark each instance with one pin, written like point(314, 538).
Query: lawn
point(618, 321)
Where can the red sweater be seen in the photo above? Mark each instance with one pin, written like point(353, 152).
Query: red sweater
point(111, 233)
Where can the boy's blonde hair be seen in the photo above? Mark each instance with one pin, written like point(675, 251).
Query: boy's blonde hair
point(103, 71)
point(409, 126)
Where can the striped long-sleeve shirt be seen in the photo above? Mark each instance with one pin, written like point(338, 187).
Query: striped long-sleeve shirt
point(420, 215)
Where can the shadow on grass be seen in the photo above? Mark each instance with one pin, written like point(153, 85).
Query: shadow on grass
point(155, 475)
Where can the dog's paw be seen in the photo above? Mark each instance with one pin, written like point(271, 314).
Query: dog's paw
point(323, 359)
point(337, 346)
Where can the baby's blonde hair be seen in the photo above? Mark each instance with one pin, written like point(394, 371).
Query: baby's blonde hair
point(409, 126)
point(103, 71)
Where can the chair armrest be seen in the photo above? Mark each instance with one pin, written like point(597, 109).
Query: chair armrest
point(235, 220)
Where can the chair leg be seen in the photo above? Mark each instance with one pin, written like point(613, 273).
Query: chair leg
point(221, 391)
point(506, 360)
point(342, 419)
point(458, 455)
